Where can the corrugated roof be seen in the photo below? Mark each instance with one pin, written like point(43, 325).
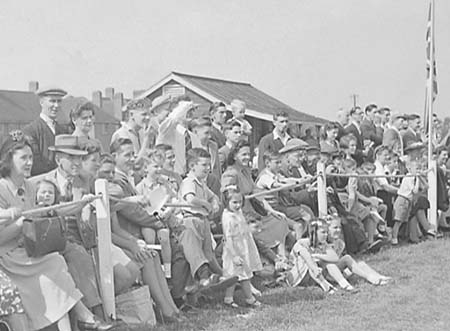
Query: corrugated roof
point(255, 99)
point(24, 107)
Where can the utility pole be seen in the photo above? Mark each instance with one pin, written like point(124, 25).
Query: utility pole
point(354, 97)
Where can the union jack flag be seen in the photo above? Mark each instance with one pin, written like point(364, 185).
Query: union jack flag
point(431, 66)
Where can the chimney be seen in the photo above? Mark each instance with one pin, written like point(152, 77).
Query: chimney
point(33, 86)
point(109, 92)
point(117, 105)
point(97, 98)
point(136, 93)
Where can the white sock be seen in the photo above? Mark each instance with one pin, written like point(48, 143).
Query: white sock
point(168, 270)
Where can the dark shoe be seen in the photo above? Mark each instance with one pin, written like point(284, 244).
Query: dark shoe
point(375, 246)
point(217, 283)
point(97, 325)
point(174, 318)
point(188, 309)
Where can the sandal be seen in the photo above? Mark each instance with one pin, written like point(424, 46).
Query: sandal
point(350, 289)
point(331, 290)
point(381, 282)
point(253, 304)
point(231, 304)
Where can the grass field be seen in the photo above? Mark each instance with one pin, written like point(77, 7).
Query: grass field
point(417, 299)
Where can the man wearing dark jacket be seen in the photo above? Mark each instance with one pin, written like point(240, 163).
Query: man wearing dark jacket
point(43, 130)
point(355, 127)
point(369, 129)
point(412, 134)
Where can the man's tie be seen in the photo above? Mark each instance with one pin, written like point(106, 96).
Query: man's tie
point(187, 141)
point(68, 194)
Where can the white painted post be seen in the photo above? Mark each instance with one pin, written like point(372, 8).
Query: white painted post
point(432, 193)
point(105, 265)
point(321, 190)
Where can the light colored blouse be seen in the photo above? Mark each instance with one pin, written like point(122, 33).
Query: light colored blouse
point(12, 196)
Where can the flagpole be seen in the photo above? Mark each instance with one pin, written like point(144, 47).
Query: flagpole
point(432, 175)
point(430, 87)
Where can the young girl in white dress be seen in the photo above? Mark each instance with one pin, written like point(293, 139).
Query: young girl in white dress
point(240, 255)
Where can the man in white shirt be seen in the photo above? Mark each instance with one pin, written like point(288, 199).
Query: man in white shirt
point(384, 190)
point(136, 127)
point(238, 108)
point(275, 140)
point(173, 132)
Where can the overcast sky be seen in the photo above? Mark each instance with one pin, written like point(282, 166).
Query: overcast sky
point(311, 54)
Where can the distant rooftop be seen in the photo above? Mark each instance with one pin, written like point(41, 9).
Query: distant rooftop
point(259, 104)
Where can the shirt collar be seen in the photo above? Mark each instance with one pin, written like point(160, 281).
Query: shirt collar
point(61, 180)
point(283, 139)
point(51, 123)
point(217, 126)
point(266, 171)
point(357, 125)
point(127, 127)
point(14, 189)
point(229, 144)
point(195, 179)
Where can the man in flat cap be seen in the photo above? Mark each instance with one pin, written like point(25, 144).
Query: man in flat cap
point(43, 130)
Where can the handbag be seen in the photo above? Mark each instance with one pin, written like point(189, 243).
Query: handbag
point(44, 235)
point(258, 206)
point(136, 307)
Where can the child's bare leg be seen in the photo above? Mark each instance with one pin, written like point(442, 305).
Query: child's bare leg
point(321, 281)
point(382, 211)
point(246, 288)
point(336, 274)
point(229, 293)
point(367, 273)
point(370, 227)
point(281, 249)
point(166, 251)
point(373, 275)
point(395, 230)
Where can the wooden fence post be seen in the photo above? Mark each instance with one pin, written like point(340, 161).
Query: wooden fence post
point(105, 267)
point(432, 194)
point(322, 190)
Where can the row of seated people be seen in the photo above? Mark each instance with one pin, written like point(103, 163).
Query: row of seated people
point(277, 232)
